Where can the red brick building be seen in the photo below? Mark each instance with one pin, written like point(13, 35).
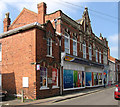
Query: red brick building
point(27, 50)
point(117, 69)
point(30, 53)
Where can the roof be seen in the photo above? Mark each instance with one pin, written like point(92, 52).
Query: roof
point(112, 59)
point(17, 30)
point(79, 21)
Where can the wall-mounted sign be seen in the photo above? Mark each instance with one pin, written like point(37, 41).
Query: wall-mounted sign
point(38, 67)
point(25, 82)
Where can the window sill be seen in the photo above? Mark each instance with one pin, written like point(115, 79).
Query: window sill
point(49, 56)
point(55, 87)
point(44, 88)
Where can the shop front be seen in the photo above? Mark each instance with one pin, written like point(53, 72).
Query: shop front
point(76, 76)
point(73, 76)
point(106, 76)
point(94, 77)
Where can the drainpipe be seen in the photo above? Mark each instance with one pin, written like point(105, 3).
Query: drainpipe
point(63, 54)
point(61, 57)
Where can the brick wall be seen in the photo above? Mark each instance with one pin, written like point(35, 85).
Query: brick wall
point(45, 61)
point(24, 18)
point(18, 52)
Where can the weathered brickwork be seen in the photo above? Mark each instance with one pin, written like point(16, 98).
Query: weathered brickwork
point(24, 50)
point(18, 51)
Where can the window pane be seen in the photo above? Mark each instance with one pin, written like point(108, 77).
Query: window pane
point(54, 76)
point(66, 41)
point(96, 56)
point(100, 57)
point(49, 46)
point(43, 77)
point(48, 50)
point(66, 50)
point(90, 53)
point(84, 51)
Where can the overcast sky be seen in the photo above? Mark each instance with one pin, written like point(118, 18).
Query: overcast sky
point(103, 14)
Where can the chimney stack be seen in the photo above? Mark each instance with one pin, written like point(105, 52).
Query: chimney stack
point(41, 12)
point(6, 22)
point(101, 38)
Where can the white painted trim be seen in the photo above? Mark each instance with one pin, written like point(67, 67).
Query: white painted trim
point(17, 95)
point(59, 33)
point(44, 88)
point(55, 87)
point(21, 28)
point(73, 88)
point(50, 56)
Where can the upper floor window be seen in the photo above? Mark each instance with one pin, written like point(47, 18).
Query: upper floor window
point(0, 52)
point(80, 42)
point(105, 57)
point(90, 52)
point(74, 45)
point(67, 43)
point(49, 46)
point(84, 50)
point(100, 57)
point(96, 55)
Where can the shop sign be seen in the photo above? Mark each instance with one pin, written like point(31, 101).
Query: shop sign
point(104, 73)
point(68, 58)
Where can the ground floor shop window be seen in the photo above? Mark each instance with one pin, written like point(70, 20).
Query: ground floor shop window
point(73, 79)
point(77, 79)
point(99, 78)
point(83, 79)
point(95, 76)
point(88, 78)
point(68, 79)
point(43, 77)
point(54, 77)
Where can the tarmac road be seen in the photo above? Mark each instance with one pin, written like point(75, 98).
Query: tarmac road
point(104, 97)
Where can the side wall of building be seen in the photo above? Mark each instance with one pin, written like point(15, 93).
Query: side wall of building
point(18, 52)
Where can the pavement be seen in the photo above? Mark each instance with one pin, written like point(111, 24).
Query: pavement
point(47, 101)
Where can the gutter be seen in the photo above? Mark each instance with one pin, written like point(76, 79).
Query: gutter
point(17, 30)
